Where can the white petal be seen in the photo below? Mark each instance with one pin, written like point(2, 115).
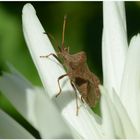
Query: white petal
point(127, 124)
point(49, 71)
point(34, 105)
point(130, 92)
point(49, 121)
point(121, 9)
point(116, 121)
point(39, 45)
point(10, 129)
point(109, 117)
point(16, 88)
point(114, 44)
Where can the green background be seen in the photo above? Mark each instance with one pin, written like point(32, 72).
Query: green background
point(83, 32)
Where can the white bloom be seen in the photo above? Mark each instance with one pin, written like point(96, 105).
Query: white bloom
point(49, 71)
point(34, 105)
point(56, 117)
point(52, 117)
point(120, 94)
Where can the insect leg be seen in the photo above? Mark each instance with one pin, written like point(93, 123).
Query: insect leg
point(77, 107)
point(54, 55)
point(62, 76)
point(82, 99)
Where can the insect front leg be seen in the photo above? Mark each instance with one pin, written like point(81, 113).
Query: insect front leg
point(62, 76)
point(54, 55)
point(77, 107)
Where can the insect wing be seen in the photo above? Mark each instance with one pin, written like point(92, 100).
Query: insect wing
point(93, 92)
point(93, 96)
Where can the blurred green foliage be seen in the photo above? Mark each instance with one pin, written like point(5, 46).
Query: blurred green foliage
point(83, 32)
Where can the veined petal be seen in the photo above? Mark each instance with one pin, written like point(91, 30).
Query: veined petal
point(115, 115)
point(130, 91)
point(10, 129)
point(114, 44)
point(49, 71)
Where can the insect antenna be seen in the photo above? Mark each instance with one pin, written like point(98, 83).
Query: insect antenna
point(56, 42)
point(63, 33)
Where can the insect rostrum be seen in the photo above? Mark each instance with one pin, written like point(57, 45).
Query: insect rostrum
point(81, 77)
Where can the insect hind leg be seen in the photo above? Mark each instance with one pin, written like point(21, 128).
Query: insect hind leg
point(62, 76)
point(77, 107)
point(82, 99)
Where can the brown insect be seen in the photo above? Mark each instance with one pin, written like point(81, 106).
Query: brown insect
point(81, 77)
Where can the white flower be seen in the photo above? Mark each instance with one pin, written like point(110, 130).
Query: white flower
point(52, 117)
point(121, 71)
point(49, 70)
point(56, 117)
point(34, 105)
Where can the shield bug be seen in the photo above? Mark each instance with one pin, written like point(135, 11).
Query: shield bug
point(81, 77)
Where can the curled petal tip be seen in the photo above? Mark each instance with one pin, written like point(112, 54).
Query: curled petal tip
point(135, 41)
point(28, 8)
